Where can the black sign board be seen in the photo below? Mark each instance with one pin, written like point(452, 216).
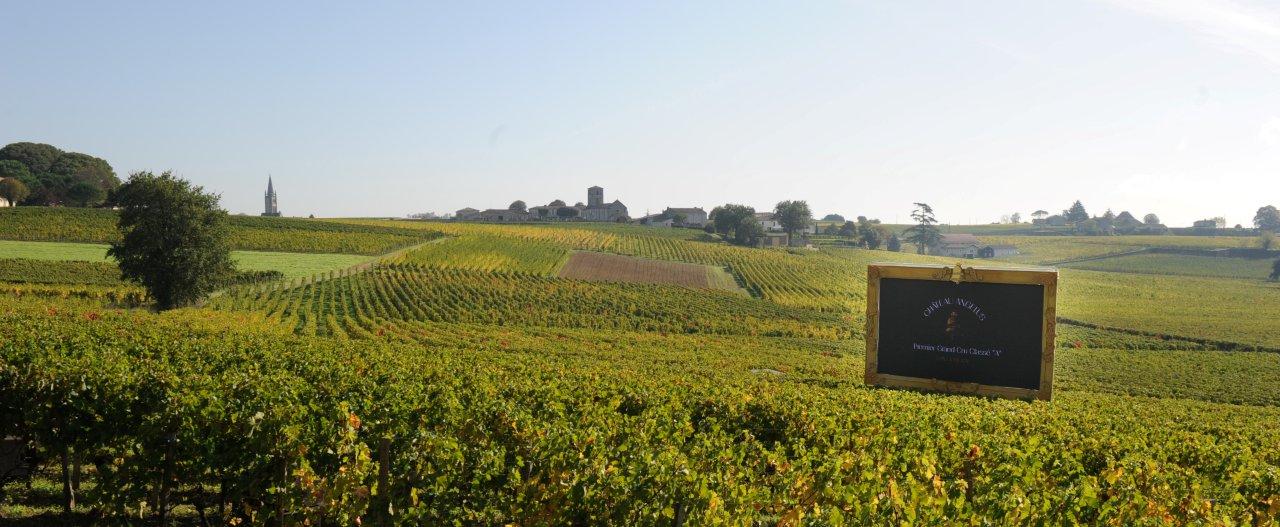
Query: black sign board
point(960, 329)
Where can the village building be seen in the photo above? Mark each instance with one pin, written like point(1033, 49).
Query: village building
point(594, 210)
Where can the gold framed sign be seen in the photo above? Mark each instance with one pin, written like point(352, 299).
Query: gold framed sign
point(974, 330)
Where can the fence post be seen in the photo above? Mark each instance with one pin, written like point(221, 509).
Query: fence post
point(68, 490)
point(384, 475)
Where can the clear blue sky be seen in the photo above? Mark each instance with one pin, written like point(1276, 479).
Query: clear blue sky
point(979, 108)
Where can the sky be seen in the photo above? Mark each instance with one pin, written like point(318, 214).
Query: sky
point(980, 109)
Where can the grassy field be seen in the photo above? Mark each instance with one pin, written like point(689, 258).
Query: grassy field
point(1044, 250)
point(293, 265)
point(504, 393)
point(1182, 265)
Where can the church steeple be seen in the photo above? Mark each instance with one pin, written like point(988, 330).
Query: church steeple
point(269, 202)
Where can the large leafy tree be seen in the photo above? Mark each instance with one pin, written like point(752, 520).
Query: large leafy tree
point(873, 235)
point(50, 174)
point(894, 243)
point(793, 216)
point(84, 168)
point(925, 232)
point(849, 230)
point(37, 157)
point(1267, 218)
point(85, 194)
point(1151, 219)
point(728, 217)
point(748, 231)
point(13, 169)
point(13, 190)
point(1275, 270)
point(518, 206)
point(173, 239)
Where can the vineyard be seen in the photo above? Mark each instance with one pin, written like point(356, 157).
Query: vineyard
point(393, 297)
point(470, 380)
point(249, 233)
point(601, 427)
point(605, 267)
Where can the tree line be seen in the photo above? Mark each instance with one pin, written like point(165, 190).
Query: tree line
point(41, 174)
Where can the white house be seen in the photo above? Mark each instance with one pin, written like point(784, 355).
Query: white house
point(768, 222)
point(957, 245)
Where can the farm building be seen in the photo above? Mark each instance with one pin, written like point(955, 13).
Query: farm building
point(656, 220)
point(693, 216)
point(782, 239)
point(997, 251)
point(773, 239)
point(494, 215)
point(957, 245)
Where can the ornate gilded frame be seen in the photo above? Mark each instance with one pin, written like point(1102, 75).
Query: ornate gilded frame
point(1046, 277)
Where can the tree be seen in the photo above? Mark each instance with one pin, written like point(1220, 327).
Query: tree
point(85, 194)
point(1089, 227)
point(556, 203)
point(1039, 214)
point(849, 230)
point(37, 157)
point(748, 231)
point(925, 232)
point(894, 244)
point(873, 236)
point(1151, 219)
point(566, 212)
point(833, 217)
point(173, 239)
point(678, 219)
point(13, 190)
point(13, 169)
point(1267, 219)
point(729, 216)
point(74, 166)
point(1076, 213)
point(1275, 270)
point(517, 206)
point(1016, 217)
point(793, 215)
point(1266, 240)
